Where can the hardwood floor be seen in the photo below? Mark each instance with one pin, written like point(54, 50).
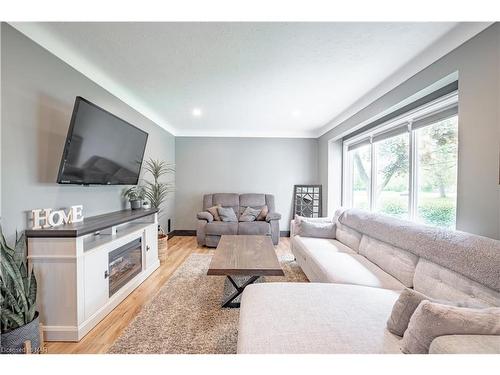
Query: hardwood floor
point(100, 339)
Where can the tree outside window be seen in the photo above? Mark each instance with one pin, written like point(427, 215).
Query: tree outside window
point(437, 152)
point(436, 174)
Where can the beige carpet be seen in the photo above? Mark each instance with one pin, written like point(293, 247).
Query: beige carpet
point(185, 316)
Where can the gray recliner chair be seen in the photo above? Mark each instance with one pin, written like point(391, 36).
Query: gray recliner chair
point(209, 231)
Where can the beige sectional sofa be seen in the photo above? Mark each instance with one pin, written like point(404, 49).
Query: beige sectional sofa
point(355, 280)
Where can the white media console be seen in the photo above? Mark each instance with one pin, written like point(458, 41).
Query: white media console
point(85, 270)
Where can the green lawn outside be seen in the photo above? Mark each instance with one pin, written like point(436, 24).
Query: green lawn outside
point(432, 209)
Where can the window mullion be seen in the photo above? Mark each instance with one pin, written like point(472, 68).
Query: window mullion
point(373, 176)
point(348, 178)
point(413, 175)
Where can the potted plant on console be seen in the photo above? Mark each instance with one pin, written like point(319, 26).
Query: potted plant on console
point(135, 195)
point(20, 328)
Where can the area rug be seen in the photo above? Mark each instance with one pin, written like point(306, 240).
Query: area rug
point(186, 317)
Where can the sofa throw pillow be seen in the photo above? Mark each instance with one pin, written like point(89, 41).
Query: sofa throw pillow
point(405, 306)
point(431, 320)
point(227, 214)
point(250, 214)
point(214, 212)
point(317, 229)
point(403, 309)
point(263, 213)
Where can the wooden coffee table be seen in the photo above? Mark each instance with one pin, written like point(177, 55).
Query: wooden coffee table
point(251, 256)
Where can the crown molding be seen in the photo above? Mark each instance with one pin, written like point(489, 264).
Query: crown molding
point(247, 134)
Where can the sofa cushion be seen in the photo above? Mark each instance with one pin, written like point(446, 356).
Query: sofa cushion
point(431, 320)
point(252, 200)
point(214, 212)
point(263, 213)
point(254, 227)
point(406, 305)
point(348, 236)
point(258, 200)
point(298, 318)
point(249, 214)
point(219, 228)
point(443, 284)
point(246, 218)
point(227, 214)
point(473, 256)
point(465, 344)
point(342, 267)
point(393, 260)
point(227, 200)
point(300, 244)
point(324, 219)
point(403, 309)
point(355, 269)
point(321, 245)
point(316, 229)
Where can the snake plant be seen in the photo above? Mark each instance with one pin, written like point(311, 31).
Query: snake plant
point(17, 286)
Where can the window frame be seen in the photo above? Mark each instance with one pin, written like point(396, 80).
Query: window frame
point(418, 116)
point(375, 144)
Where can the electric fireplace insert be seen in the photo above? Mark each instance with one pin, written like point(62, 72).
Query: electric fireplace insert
point(124, 264)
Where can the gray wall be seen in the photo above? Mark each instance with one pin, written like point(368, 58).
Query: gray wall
point(241, 165)
point(38, 92)
point(0, 121)
point(37, 96)
point(477, 63)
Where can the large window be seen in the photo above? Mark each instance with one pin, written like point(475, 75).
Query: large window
point(407, 168)
point(437, 173)
point(361, 171)
point(392, 176)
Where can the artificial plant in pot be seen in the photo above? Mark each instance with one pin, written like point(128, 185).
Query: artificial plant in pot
point(19, 318)
point(157, 192)
point(135, 195)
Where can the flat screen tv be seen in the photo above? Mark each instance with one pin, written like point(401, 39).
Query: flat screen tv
point(101, 148)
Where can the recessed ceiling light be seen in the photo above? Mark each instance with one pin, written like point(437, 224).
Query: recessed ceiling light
point(296, 113)
point(197, 112)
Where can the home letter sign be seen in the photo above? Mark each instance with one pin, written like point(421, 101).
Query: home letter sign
point(46, 217)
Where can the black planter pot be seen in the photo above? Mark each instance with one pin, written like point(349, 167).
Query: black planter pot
point(136, 205)
point(12, 342)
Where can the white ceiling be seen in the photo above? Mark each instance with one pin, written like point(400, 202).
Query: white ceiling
point(248, 79)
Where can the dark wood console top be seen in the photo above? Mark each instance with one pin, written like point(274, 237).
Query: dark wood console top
point(91, 224)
